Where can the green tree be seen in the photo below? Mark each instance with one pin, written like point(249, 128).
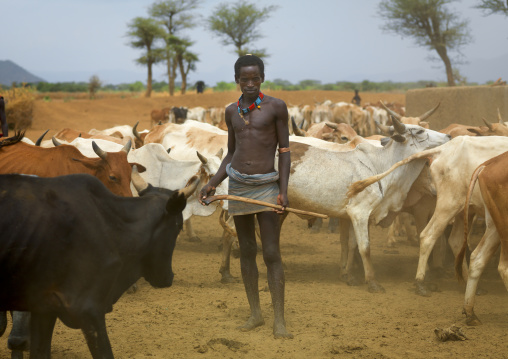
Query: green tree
point(490, 7)
point(185, 59)
point(237, 25)
point(145, 33)
point(175, 16)
point(94, 84)
point(430, 24)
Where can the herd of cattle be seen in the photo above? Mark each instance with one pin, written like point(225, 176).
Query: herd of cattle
point(87, 214)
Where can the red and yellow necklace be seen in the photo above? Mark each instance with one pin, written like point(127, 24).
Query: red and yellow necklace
point(243, 111)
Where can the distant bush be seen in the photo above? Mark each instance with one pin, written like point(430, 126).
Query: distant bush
point(19, 106)
point(224, 86)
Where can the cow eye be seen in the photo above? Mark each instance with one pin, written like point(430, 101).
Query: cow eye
point(113, 178)
point(420, 132)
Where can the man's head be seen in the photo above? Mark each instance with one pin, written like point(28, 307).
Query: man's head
point(249, 74)
point(249, 60)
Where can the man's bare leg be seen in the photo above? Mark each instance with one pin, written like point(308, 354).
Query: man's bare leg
point(248, 249)
point(270, 234)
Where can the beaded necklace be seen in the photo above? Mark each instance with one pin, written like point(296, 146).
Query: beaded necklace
point(243, 111)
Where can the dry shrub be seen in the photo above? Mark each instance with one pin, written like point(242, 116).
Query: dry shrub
point(19, 107)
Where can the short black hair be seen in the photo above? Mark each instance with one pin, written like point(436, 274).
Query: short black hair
point(249, 60)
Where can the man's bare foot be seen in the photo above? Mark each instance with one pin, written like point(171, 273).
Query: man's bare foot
point(280, 332)
point(252, 323)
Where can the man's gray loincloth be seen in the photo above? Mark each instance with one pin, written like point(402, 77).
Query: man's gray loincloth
point(263, 187)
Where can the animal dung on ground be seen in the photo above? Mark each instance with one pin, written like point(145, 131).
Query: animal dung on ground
point(451, 333)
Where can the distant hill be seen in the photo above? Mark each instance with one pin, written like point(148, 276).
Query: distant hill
point(10, 72)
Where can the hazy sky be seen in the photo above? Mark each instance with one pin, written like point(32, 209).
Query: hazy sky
point(326, 40)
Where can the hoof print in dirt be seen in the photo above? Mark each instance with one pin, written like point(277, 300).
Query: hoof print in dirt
point(233, 345)
point(451, 333)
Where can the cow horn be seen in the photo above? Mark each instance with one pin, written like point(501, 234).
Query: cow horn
point(220, 153)
point(398, 126)
point(428, 113)
point(499, 117)
point(127, 146)
point(385, 130)
point(489, 125)
point(332, 125)
point(296, 129)
point(139, 183)
point(135, 131)
point(191, 186)
point(55, 141)
point(202, 158)
point(101, 153)
point(39, 140)
point(391, 112)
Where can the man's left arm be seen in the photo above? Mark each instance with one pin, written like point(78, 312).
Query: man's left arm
point(284, 154)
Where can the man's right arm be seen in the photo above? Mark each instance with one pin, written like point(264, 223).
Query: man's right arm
point(221, 174)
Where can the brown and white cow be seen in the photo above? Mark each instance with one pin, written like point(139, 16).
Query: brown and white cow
point(492, 177)
point(111, 168)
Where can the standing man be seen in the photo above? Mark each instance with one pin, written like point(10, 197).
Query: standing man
point(257, 125)
point(356, 99)
point(200, 86)
point(3, 119)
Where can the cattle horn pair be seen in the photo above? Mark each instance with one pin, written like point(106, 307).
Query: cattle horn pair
point(103, 154)
point(296, 130)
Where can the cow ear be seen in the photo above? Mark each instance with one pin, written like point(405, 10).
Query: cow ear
point(176, 203)
point(384, 141)
point(398, 138)
point(141, 168)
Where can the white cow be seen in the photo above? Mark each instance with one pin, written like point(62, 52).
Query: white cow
point(163, 170)
point(197, 114)
point(320, 179)
point(451, 168)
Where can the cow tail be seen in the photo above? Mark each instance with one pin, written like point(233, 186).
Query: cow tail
point(460, 256)
point(359, 186)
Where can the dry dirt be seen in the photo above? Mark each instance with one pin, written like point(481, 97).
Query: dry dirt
point(197, 317)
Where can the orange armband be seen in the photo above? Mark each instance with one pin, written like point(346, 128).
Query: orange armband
point(284, 149)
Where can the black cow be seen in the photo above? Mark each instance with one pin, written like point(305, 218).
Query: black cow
point(70, 248)
point(180, 114)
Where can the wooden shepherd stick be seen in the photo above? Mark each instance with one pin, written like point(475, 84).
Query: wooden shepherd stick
point(229, 197)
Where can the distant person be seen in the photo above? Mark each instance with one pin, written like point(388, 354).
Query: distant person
point(356, 99)
point(200, 86)
point(5, 127)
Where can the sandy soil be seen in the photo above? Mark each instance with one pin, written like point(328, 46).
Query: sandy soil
point(197, 317)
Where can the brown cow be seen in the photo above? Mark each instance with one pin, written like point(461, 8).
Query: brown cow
point(492, 177)
point(111, 168)
point(161, 116)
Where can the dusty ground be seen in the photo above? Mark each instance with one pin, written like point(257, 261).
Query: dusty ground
point(198, 316)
